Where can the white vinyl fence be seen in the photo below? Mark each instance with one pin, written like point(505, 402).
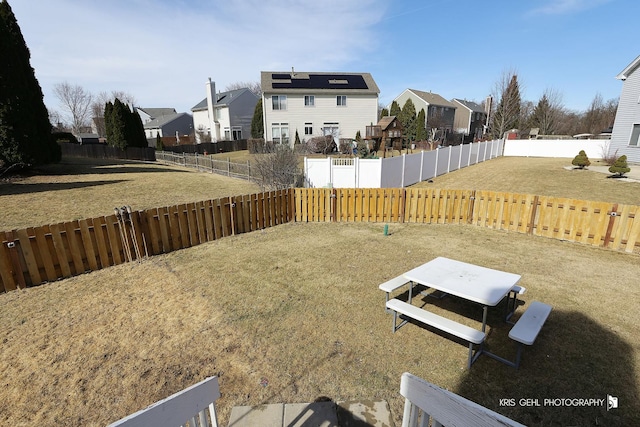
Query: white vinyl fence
point(398, 171)
point(569, 148)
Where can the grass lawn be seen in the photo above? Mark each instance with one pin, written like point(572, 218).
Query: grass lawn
point(293, 313)
point(297, 307)
point(79, 188)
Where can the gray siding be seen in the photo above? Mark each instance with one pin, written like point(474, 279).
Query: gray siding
point(182, 124)
point(627, 115)
point(241, 112)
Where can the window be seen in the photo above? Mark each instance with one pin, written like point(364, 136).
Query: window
point(308, 128)
point(237, 133)
point(635, 136)
point(309, 100)
point(227, 134)
point(341, 100)
point(279, 102)
point(280, 133)
point(333, 129)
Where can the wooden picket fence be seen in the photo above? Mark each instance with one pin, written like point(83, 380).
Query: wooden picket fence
point(32, 256)
point(601, 224)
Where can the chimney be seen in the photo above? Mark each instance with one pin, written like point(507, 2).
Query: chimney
point(211, 103)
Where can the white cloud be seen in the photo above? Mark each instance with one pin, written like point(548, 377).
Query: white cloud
point(163, 51)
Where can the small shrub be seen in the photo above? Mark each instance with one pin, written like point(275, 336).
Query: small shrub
point(346, 146)
point(609, 159)
point(277, 169)
point(581, 160)
point(259, 146)
point(362, 149)
point(619, 168)
point(321, 144)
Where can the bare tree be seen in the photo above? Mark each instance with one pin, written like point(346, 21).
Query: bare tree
point(254, 87)
point(75, 102)
point(600, 115)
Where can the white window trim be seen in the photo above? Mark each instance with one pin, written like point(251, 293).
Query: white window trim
point(312, 99)
point(280, 99)
point(635, 128)
point(339, 97)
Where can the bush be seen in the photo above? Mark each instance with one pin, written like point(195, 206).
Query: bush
point(259, 146)
point(64, 137)
point(277, 169)
point(581, 160)
point(346, 146)
point(321, 144)
point(619, 168)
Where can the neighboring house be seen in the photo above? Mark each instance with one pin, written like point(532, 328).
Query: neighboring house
point(625, 137)
point(469, 119)
point(439, 113)
point(148, 114)
point(224, 116)
point(174, 124)
point(316, 104)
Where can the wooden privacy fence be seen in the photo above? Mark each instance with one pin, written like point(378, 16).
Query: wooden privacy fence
point(31, 256)
point(601, 224)
point(34, 255)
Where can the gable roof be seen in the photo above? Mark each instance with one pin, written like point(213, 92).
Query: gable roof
point(476, 108)
point(224, 98)
point(432, 98)
point(158, 122)
point(385, 121)
point(629, 69)
point(157, 112)
point(297, 82)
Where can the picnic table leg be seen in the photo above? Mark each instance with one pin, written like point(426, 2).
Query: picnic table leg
point(484, 318)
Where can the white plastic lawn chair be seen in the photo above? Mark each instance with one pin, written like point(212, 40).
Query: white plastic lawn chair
point(194, 405)
point(425, 401)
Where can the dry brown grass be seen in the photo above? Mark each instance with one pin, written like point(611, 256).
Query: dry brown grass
point(79, 188)
point(542, 176)
point(298, 306)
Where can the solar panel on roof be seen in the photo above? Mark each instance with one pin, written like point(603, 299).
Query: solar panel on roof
point(324, 81)
point(281, 76)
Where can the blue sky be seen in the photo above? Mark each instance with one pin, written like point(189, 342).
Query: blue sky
point(163, 51)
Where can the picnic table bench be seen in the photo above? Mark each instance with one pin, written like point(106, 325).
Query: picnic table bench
point(391, 285)
point(526, 329)
point(472, 336)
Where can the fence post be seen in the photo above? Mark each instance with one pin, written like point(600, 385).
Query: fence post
point(228, 166)
point(197, 167)
point(435, 172)
point(460, 157)
point(403, 166)
point(449, 160)
point(249, 169)
point(470, 151)
point(421, 163)
point(356, 171)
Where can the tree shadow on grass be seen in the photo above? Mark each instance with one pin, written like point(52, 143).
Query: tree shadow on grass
point(74, 166)
point(17, 188)
point(574, 357)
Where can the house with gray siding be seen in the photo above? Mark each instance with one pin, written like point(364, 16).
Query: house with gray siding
point(224, 116)
point(625, 137)
point(470, 118)
point(439, 113)
point(316, 104)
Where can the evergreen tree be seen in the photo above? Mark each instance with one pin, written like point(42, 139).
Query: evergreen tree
point(358, 137)
point(25, 131)
point(620, 167)
point(581, 160)
point(421, 130)
point(108, 127)
point(159, 145)
point(507, 113)
point(408, 119)
point(257, 125)
point(384, 113)
point(544, 117)
point(297, 139)
point(116, 132)
point(395, 109)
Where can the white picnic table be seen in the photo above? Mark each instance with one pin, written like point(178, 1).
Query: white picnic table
point(482, 285)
